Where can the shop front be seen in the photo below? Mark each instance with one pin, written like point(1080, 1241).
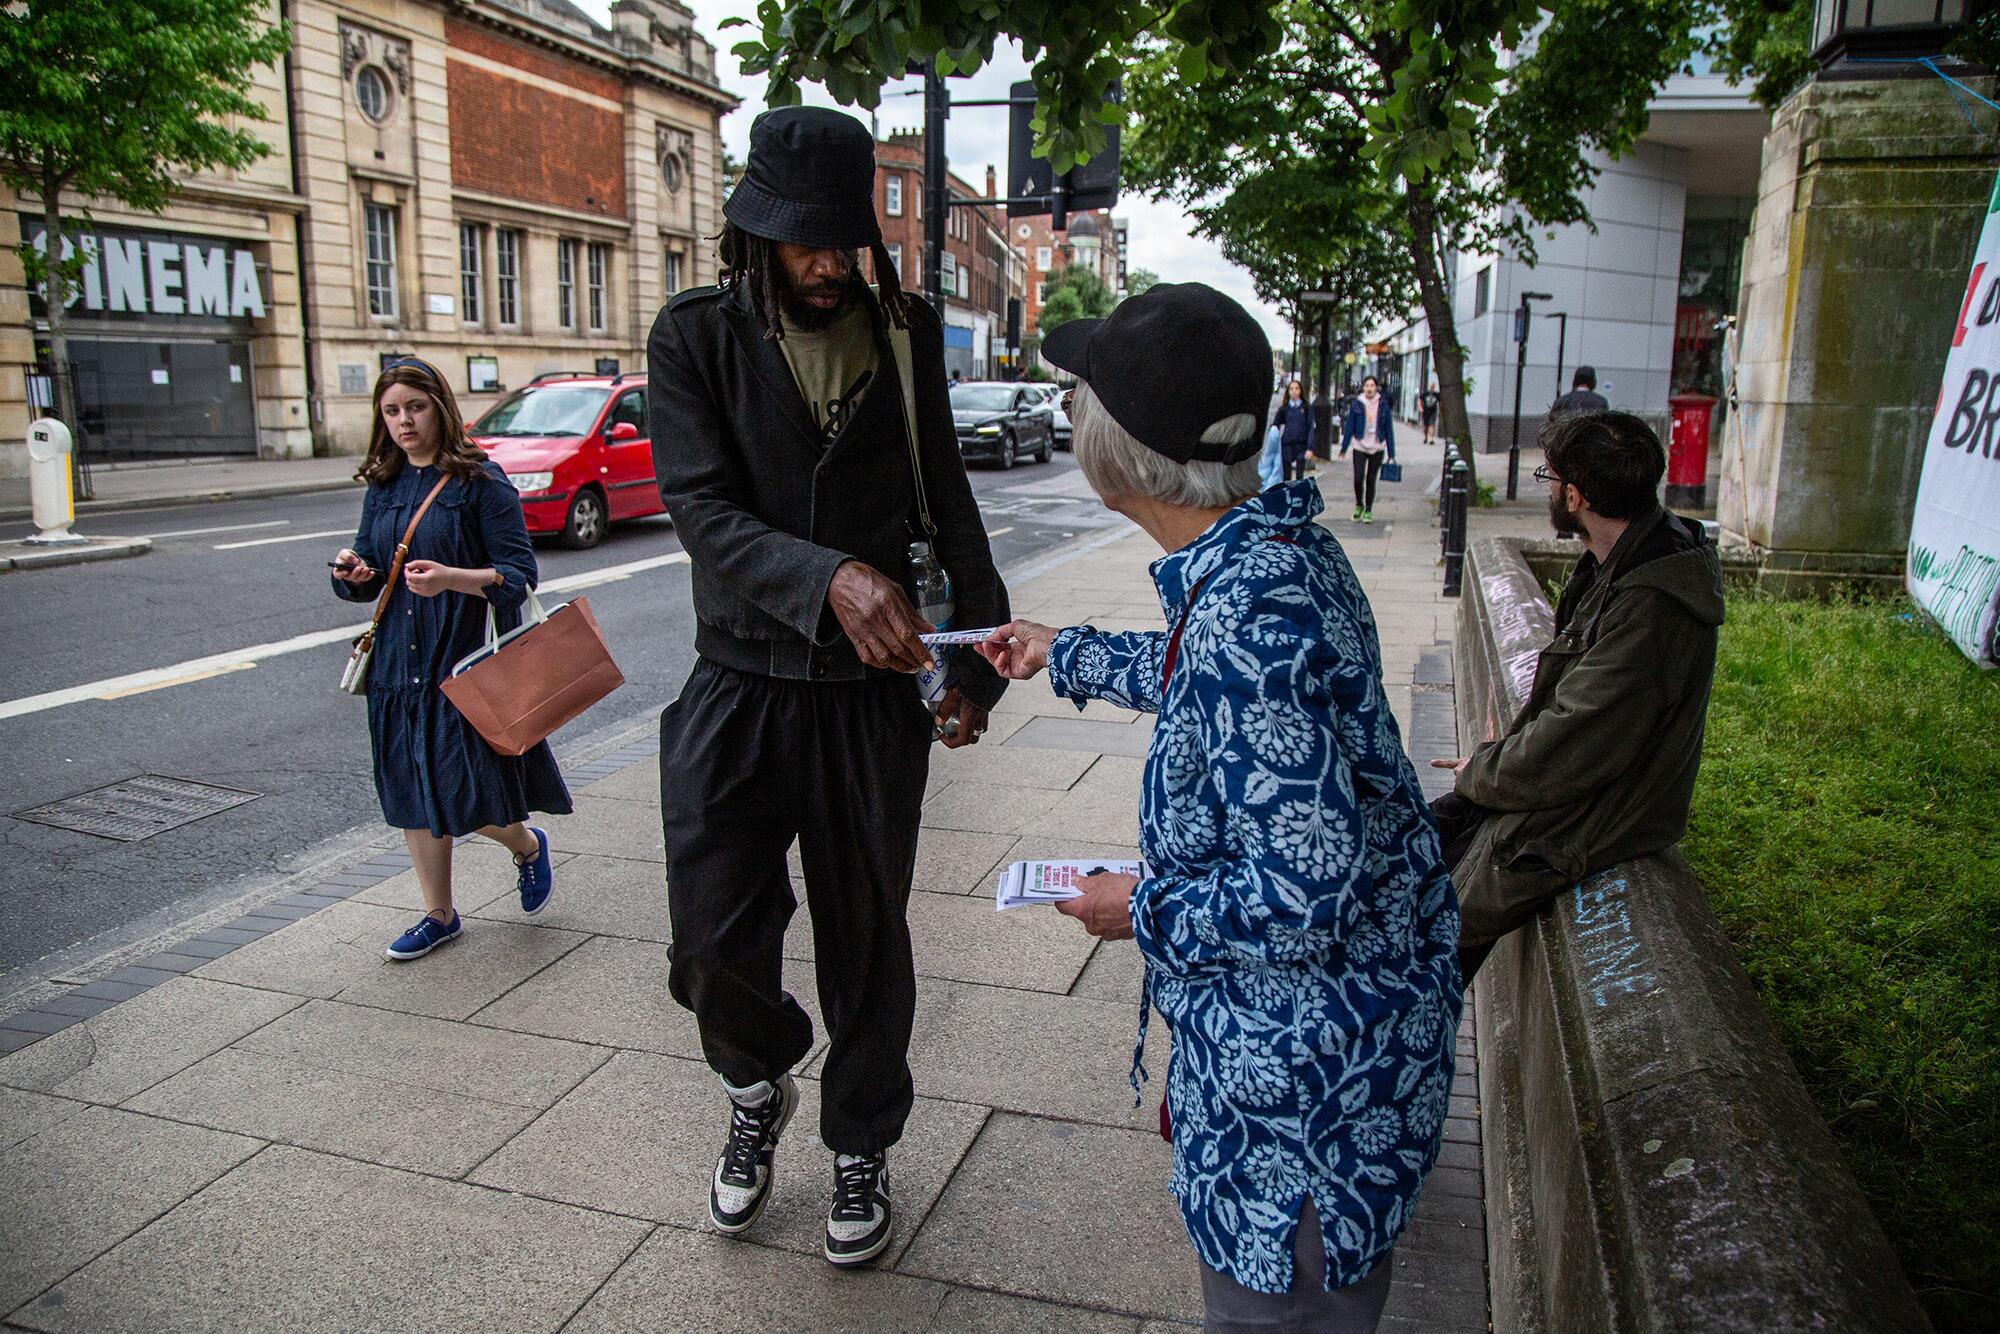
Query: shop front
point(161, 333)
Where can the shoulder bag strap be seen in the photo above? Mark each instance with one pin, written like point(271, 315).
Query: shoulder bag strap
point(899, 343)
point(402, 550)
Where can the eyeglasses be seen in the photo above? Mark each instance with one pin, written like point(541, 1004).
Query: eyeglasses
point(1542, 474)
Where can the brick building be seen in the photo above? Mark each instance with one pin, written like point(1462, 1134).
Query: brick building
point(1095, 239)
point(980, 268)
point(501, 187)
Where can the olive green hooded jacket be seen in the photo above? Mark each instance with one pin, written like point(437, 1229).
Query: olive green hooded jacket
point(1600, 764)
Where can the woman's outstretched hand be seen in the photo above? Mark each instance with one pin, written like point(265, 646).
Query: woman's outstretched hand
point(1018, 649)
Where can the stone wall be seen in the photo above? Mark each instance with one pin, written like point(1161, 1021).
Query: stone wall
point(1869, 209)
point(1653, 1162)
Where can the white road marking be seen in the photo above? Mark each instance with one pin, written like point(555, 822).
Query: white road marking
point(199, 669)
point(225, 528)
point(610, 574)
point(290, 537)
point(1001, 532)
point(187, 679)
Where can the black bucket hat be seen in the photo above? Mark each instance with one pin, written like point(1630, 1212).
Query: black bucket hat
point(1168, 364)
point(810, 180)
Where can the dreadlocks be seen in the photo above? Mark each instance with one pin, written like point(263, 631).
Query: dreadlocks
point(753, 260)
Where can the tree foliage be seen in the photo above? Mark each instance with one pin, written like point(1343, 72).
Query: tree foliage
point(1140, 281)
point(1764, 43)
point(118, 99)
point(1272, 172)
point(1076, 48)
point(1075, 293)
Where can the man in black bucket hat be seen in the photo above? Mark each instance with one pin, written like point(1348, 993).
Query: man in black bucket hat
point(781, 446)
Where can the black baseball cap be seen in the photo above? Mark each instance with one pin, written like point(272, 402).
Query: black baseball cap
point(1168, 364)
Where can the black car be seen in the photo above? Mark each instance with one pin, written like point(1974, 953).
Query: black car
point(1001, 421)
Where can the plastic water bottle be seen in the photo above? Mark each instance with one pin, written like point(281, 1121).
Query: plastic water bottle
point(930, 590)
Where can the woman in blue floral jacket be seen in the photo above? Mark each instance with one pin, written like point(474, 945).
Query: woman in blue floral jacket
point(1298, 927)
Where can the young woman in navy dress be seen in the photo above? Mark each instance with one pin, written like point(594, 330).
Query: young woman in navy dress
point(436, 776)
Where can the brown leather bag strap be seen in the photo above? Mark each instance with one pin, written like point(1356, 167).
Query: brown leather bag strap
point(402, 550)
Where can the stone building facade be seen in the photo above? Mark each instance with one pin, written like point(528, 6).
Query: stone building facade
point(501, 187)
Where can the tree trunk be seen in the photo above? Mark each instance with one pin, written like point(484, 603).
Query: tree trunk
point(1447, 358)
point(55, 289)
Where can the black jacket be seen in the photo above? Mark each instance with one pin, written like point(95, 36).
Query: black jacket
point(767, 517)
point(1580, 400)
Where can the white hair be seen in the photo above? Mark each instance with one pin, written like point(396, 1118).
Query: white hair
point(1115, 464)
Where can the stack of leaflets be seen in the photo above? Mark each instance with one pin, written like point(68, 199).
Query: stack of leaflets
point(1052, 882)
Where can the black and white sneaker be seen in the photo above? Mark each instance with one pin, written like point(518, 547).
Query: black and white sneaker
point(858, 1225)
point(744, 1173)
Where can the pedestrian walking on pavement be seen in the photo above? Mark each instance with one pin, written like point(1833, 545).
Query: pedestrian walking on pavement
point(1294, 420)
point(442, 544)
point(1297, 925)
point(1367, 429)
point(1583, 395)
point(1427, 412)
point(797, 475)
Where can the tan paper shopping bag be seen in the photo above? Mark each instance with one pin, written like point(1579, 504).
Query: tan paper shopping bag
point(525, 684)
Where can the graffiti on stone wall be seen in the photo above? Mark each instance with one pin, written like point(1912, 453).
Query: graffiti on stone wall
point(1611, 956)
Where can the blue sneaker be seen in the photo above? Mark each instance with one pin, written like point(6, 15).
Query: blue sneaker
point(425, 936)
point(537, 878)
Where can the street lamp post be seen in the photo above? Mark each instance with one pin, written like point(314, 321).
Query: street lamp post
point(1521, 318)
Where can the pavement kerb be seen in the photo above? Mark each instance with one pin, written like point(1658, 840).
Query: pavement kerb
point(165, 499)
point(96, 549)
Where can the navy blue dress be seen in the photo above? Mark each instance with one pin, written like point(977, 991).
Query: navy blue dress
point(432, 768)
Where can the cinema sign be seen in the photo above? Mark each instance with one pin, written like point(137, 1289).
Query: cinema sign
point(136, 275)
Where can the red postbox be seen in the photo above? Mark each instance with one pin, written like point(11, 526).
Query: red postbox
point(1687, 451)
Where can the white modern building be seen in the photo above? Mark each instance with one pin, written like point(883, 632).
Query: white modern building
point(1636, 297)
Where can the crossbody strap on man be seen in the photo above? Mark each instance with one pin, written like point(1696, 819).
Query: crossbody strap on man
point(403, 550)
point(899, 345)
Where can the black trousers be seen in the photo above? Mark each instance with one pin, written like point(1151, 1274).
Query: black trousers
point(1292, 453)
point(749, 763)
point(1367, 467)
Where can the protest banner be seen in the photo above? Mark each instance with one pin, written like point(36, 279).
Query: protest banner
point(1954, 562)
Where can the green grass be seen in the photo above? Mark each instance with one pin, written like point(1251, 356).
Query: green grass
point(1847, 823)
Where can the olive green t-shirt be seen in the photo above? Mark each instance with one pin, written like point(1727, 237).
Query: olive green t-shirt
point(833, 366)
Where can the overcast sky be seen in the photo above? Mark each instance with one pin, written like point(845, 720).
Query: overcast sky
point(1161, 234)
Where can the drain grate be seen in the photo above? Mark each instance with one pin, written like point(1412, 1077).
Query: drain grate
point(138, 807)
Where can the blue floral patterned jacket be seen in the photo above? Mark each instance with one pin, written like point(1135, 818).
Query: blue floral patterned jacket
point(1299, 930)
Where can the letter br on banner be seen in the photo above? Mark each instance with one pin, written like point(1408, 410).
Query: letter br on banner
point(1954, 563)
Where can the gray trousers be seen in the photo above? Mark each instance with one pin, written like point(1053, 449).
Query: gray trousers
point(1231, 1308)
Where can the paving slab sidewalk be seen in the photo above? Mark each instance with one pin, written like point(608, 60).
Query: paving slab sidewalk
point(272, 1127)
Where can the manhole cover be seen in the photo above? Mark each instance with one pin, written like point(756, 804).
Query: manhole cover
point(138, 807)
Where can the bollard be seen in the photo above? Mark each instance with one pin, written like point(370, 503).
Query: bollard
point(1455, 497)
point(48, 483)
point(1444, 507)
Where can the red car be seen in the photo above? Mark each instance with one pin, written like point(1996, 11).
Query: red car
point(575, 447)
